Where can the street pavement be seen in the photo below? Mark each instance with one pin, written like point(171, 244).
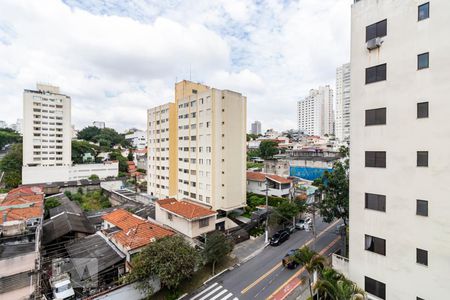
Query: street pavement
point(264, 277)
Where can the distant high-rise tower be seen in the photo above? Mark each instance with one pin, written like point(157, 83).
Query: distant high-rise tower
point(315, 112)
point(197, 147)
point(47, 131)
point(342, 121)
point(256, 127)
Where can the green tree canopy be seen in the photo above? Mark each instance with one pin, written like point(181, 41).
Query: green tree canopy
point(171, 259)
point(311, 261)
point(8, 136)
point(268, 149)
point(11, 164)
point(79, 148)
point(217, 247)
point(286, 211)
point(106, 137)
point(94, 177)
point(335, 286)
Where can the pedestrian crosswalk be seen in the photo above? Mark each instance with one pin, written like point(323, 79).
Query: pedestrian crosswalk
point(214, 292)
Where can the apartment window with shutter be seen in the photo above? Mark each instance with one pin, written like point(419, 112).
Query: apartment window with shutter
point(422, 208)
point(378, 29)
point(422, 257)
point(376, 116)
point(422, 110)
point(375, 202)
point(376, 73)
point(422, 158)
point(375, 287)
point(375, 159)
point(374, 244)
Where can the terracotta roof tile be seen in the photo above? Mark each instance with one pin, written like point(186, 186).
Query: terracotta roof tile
point(22, 204)
point(258, 176)
point(186, 209)
point(141, 235)
point(123, 219)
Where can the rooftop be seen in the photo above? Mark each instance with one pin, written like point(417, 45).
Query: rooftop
point(64, 223)
point(22, 204)
point(123, 219)
point(185, 209)
point(258, 176)
point(141, 235)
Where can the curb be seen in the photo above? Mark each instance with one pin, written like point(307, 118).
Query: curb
point(253, 254)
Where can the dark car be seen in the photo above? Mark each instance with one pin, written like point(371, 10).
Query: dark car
point(288, 260)
point(279, 237)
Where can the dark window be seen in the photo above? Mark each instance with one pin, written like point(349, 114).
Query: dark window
point(376, 30)
point(194, 91)
point(422, 158)
point(422, 256)
point(422, 208)
point(424, 11)
point(375, 287)
point(203, 222)
point(423, 61)
point(422, 110)
point(376, 202)
point(418, 298)
point(376, 116)
point(375, 244)
point(376, 159)
point(376, 73)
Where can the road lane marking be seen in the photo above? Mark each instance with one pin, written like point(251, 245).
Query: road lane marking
point(284, 286)
point(252, 285)
point(204, 291)
point(227, 296)
point(219, 294)
point(210, 293)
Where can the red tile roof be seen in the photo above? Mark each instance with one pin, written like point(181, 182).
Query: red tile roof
point(24, 191)
point(22, 204)
point(123, 219)
point(141, 235)
point(258, 176)
point(185, 209)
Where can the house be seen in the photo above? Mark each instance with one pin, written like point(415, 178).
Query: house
point(130, 233)
point(186, 217)
point(277, 186)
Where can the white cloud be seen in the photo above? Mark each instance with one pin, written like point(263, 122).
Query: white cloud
point(118, 58)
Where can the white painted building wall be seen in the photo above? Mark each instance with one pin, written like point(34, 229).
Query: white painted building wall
point(138, 139)
point(402, 182)
point(315, 112)
point(342, 116)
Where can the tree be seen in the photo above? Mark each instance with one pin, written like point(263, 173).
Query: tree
point(333, 285)
point(253, 153)
point(11, 165)
point(286, 211)
point(123, 162)
point(268, 149)
point(171, 259)
point(89, 133)
point(49, 204)
point(311, 261)
point(8, 136)
point(217, 247)
point(79, 148)
point(251, 136)
point(94, 177)
point(130, 156)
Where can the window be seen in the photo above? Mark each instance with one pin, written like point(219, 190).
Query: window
point(418, 298)
point(422, 257)
point(169, 216)
point(376, 202)
point(375, 287)
point(376, 30)
point(204, 222)
point(422, 158)
point(422, 110)
point(422, 208)
point(375, 159)
point(376, 73)
point(376, 116)
point(423, 11)
point(375, 244)
point(423, 61)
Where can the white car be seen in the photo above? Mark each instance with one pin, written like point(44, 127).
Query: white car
point(303, 224)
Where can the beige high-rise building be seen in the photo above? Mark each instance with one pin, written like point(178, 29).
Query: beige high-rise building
point(47, 131)
point(399, 154)
point(342, 113)
point(206, 147)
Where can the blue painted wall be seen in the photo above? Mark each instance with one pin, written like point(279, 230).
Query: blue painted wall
point(307, 172)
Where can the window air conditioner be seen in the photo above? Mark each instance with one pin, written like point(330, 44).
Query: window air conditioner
point(374, 43)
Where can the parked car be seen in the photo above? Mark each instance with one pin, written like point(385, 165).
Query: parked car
point(290, 229)
point(288, 260)
point(279, 238)
point(303, 224)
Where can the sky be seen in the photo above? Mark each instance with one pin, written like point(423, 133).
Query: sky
point(116, 59)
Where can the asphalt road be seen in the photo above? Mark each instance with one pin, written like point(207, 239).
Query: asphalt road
point(263, 276)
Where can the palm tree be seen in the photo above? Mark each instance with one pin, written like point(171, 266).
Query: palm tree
point(333, 285)
point(311, 261)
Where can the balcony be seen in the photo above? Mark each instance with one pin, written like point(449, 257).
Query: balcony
point(340, 264)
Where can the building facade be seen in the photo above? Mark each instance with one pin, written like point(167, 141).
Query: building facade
point(208, 140)
point(399, 211)
point(137, 139)
point(256, 128)
point(47, 132)
point(315, 113)
point(342, 115)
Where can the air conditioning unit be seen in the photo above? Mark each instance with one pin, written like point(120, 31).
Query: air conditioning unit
point(374, 43)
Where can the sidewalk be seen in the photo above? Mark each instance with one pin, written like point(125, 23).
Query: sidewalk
point(248, 249)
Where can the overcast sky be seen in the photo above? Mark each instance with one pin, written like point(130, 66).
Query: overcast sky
point(118, 58)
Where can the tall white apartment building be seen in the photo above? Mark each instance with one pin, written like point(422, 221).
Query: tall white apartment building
point(47, 131)
point(315, 112)
point(256, 127)
point(137, 138)
point(208, 137)
point(342, 111)
point(400, 137)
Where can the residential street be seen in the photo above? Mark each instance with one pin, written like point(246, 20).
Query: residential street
point(263, 277)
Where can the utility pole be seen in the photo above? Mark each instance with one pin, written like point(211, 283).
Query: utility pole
point(317, 196)
point(267, 211)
